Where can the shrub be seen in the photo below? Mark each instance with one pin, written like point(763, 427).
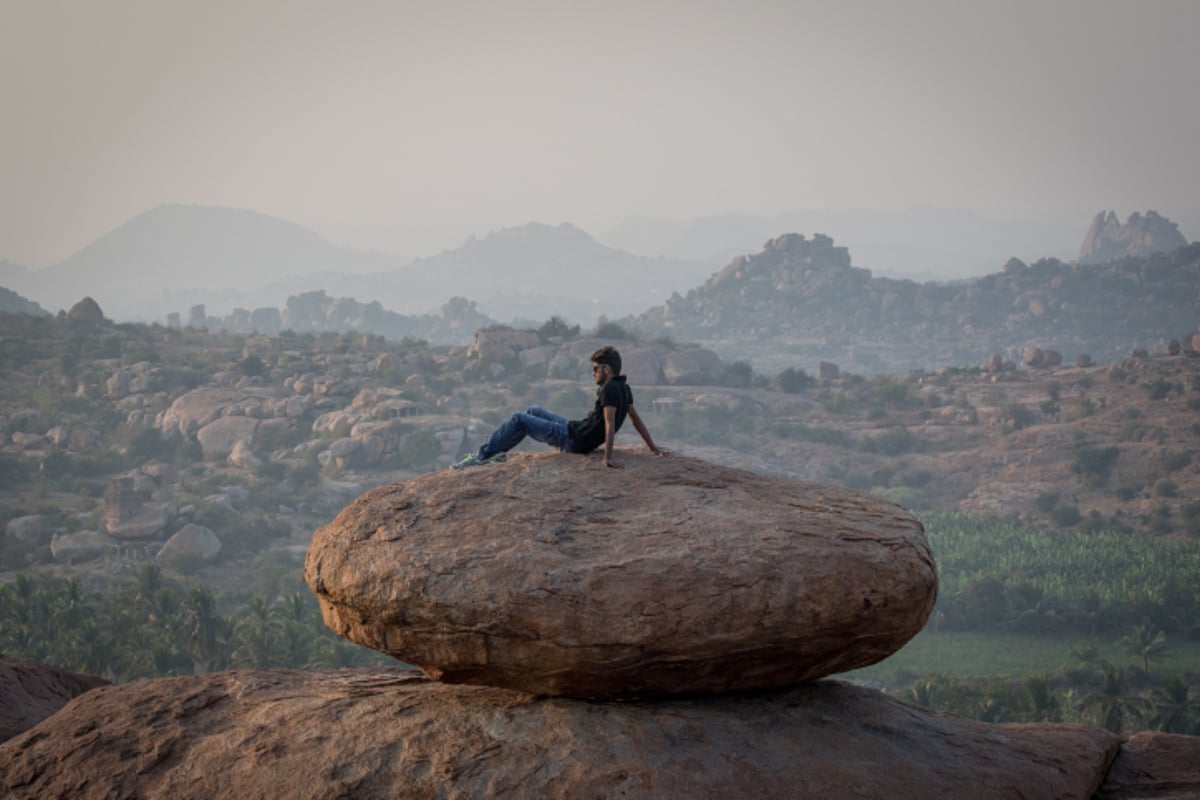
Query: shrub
point(556, 326)
point(610, 330)
point(794, 381)
point(1173, 462)
point(252, 366)
point(1066, 516)
point(739, 374)
point(1093, 464)
point(1166, 487)
point(894, 441)
point(1046, 502)
point(1159, 389)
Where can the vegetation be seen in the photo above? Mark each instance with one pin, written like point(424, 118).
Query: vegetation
point(1033, 625)
point(150, 626)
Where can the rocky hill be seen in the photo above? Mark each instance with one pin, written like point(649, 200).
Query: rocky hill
point(802, 297)
point(13, 303)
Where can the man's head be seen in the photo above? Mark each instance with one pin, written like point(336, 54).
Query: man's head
point(606, 363)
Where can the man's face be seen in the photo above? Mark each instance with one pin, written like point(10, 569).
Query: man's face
point(601, 373)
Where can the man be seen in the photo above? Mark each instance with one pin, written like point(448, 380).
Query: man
point(614, 402)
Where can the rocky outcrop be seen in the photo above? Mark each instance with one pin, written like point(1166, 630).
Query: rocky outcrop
point(30, 692)
point(389, 733)
point(1108, 240)
point(1154, 765)
point(553, 575)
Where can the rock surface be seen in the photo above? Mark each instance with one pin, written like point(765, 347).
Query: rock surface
point(1154, 765)
point(30, 692)
point(553, 575)
point(387, 733)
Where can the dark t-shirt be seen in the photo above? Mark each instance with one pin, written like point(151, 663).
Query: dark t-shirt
point(588, 433)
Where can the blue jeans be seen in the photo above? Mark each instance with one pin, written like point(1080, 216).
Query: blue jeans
point(535, 422)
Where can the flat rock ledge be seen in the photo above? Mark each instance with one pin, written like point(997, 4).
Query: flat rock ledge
point(384, 733)
point(553, 575)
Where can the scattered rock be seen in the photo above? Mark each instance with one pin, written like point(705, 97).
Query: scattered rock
point(389, 733)
point(550, 575)
point(31, 692)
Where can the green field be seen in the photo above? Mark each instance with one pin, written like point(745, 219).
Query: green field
point(971, 654)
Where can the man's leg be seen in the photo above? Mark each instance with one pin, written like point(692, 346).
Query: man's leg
point(538, 411)
point(520, 425)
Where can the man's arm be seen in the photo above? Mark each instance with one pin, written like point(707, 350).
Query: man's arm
point(644, 432)
point(610, 430)
point(610, 433)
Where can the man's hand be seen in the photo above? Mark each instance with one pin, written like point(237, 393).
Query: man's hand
point(660, 451)
point(613, 464)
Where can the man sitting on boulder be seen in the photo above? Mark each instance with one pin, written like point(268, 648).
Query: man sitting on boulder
point(614, 401)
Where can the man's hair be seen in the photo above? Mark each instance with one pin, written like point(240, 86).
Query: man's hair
point(608, 355)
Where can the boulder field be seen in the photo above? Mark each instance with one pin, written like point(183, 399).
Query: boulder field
point(553, 575)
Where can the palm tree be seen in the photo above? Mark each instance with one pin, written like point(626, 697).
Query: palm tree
point(1145, 643)
point(1045, 706)
point(1176, 709)
point(1109, 704)
point(204, 633)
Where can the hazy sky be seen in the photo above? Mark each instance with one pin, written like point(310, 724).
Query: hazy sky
point(501, 112)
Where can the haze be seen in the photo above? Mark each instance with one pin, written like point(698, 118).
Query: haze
point(366, 120)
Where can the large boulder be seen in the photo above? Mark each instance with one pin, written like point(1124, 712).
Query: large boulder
point(218, 438)
point(551, 574)
point(30, 528)
point(193, 410)
point(75, 548)
point(388, 733)
point(30, 692)
point(192, 542)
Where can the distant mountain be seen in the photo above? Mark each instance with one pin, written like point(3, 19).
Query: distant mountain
point(531, 272)
point(177, 249)
point(800, 300)
point(920, 243)
point(535, 271)
point(174, 257)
